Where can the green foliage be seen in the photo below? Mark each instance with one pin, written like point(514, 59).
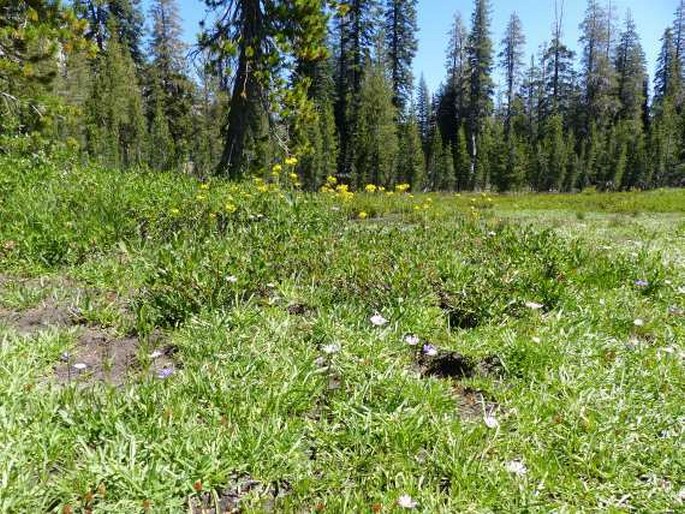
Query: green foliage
point(115, 123)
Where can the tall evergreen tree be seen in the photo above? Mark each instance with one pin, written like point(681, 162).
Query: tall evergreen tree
point(260, 34)
point(597, 68)
point(511, 61)
point(402, 45)
point(481, 84)
point(424, 112)
point(354, 32)
point(168, 68)
point(375, 142)
point(115, 122)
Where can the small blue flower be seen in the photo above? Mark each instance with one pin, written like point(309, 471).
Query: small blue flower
point(430, 350)
point(165, 373)
point(641, 283)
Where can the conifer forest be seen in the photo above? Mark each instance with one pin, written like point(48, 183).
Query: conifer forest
point(332, 83)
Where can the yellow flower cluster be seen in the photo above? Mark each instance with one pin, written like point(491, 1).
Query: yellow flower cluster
point(363, 215)
point(402, 188)
point(370, 188)
point(291, 161)
point(344, 193)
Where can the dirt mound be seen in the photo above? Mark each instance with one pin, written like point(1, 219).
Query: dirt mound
point(100, 357)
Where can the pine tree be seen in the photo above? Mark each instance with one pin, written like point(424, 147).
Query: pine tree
point(354, 32)
point(36, 40)
point(411, 165)
point(260, 34)
point(631, 71)
point(462, 161)
point(511, 61)
point(600, 105)
point(560, 75)
point(424, 114)
point(168, 68)
point(402, 45)
point(668, 80)
point(116, 131)
point(161, 145)
point(557, 160)
point(481, 85)
point(375, 142)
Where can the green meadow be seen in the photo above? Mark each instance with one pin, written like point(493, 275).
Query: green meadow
point(170, 345)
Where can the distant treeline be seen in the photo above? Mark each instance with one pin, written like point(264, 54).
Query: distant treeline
point(331, 83)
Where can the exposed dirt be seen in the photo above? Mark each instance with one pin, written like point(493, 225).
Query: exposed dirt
point(42, 317)
point(473, 404)
point(454, 365)
point(228, 500)
point(101, 357)
point(447, 365)
point(299, 309)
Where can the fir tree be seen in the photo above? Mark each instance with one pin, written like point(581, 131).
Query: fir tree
point(402, 45)
point(481, 85)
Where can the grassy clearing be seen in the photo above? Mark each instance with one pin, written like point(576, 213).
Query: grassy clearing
point(231, 357)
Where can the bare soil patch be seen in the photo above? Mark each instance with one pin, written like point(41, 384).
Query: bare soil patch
point(42, 317)
point(228, 500)
point(473, 404)
point(101, 357)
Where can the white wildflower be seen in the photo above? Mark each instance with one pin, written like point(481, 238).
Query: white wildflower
point(406, 502)
point(534, 306)
point(80, 366)
point(378, 321)
point(330, 349)
point(517, 467)
point(639, 322)
point(491, 421)
point(411, 339)
point(232, 279)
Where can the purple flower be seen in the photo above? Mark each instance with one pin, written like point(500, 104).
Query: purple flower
point(641, 283)
point(165, 373)
point(430, 350)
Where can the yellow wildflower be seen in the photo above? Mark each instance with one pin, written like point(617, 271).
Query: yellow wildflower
point(402, 188)
point(370, 188)
point(293, 176)
point(262, 188)
point(174, 212)
point(204, 187)
point(331, 180)
point(363, 215)
point(199, 198)
point(230, 208)
point(291, 161)
point(277, 169)
point(381, 189)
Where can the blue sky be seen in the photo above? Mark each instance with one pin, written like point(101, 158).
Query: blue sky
point(435, 18)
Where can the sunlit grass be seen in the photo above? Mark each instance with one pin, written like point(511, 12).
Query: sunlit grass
point(269, 303)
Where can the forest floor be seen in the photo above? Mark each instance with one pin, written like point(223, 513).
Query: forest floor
point(172, 346)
